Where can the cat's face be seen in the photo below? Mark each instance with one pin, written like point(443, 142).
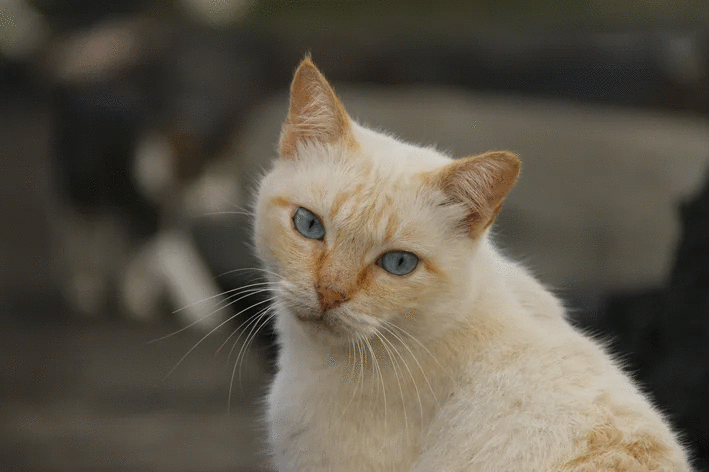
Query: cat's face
point(362, 231)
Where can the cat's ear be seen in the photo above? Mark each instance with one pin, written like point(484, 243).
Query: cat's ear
point(315, 113)
point(479, 184)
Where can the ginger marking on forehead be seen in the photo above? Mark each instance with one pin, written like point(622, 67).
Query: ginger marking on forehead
point(388, 204)
point(392, 225)
point(281, 201)
point(342, 197)
point(378, 216)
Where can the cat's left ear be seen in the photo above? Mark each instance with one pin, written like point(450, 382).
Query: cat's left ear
point(479, 184)
point(315, 114)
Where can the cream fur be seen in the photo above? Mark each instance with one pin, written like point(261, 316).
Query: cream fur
point(467, 364)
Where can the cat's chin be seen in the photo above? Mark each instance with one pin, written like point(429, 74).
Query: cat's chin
point(319, 321)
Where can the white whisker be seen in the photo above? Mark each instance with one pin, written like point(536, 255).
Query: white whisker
point(264, 318)
point(224, 303)
point(351, 376)
point(256, 269)
point(267, 317)
point(238, 329)
point(394, 365)
point(413, 379)
point(445, 371)
point(218, 213)
point(230, 291)
point(212, 331)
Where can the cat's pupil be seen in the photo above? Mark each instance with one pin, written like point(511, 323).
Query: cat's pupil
point(398, 262)
point(308, 225)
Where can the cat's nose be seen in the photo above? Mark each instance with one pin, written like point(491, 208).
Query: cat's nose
point(330, 298)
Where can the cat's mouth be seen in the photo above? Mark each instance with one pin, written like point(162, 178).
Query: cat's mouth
point(335, 322)
point(320, 320)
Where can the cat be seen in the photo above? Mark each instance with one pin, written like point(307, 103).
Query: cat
point(408, 341)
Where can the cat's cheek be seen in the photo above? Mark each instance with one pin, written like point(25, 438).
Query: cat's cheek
point(274, 249)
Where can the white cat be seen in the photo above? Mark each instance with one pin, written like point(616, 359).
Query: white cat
point(408, 342)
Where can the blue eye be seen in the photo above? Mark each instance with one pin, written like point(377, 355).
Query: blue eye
point(399, 262)
point(308, 224)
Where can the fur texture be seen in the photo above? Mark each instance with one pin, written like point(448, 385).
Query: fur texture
point(465, 364)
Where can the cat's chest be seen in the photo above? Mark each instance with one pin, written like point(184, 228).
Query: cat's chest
point(318, 417)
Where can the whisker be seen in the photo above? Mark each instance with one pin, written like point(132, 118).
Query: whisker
point(373, 369)
point(264, 318)
point(239, 207)
point(394, 365)
point(423, 371)
point(373, 365)
point(413, 379)
point(379, 372)
point(236, 362)
point(389, 323)
point(225, 303)
point(210, 332)
point(230, 291)
point(238, 328)
point(351, 353)
point(257, 269)
point(248, 322)
point(217, 213)
point(362, 361)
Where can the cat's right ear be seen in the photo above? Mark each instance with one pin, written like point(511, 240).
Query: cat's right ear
point(315, 114)
point(479, 184)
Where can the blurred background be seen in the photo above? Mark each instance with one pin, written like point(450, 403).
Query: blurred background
point(132, 132)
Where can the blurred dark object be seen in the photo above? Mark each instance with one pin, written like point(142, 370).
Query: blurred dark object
point(657, 69)
point(146, 113)
point(661, 335)
point(185, 84)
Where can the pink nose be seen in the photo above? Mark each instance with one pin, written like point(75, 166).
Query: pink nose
point(330, 298)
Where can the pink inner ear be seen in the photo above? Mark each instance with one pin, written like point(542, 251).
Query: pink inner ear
point(480, 183)
point(315, 113)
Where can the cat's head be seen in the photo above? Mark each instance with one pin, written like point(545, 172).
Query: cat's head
point(360, 229)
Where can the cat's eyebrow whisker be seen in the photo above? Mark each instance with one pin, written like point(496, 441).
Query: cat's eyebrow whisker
point(413, 379)
point(224, 303)
point(212, 331)
point(423, 372)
